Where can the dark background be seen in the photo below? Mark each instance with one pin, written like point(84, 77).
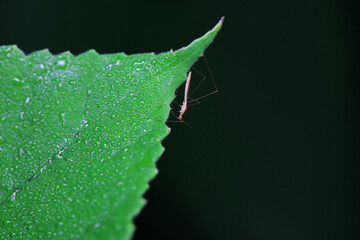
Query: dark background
point(273, 155)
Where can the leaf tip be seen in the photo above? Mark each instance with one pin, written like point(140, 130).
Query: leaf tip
point(220, 23)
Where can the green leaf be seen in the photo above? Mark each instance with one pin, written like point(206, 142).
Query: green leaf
point(79, 137)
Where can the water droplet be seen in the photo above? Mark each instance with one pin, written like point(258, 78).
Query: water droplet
point(61, 63)
point(14, 194)
point(62, 118)
point(17, 82)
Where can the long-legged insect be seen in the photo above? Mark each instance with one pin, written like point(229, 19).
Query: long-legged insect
point(185, 102)
point(187, 93)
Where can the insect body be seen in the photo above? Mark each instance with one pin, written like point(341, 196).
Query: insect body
point(185, 102)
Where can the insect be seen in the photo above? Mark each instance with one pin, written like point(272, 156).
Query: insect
point(185, 102)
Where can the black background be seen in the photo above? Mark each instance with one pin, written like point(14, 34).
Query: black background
point(274, 154)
